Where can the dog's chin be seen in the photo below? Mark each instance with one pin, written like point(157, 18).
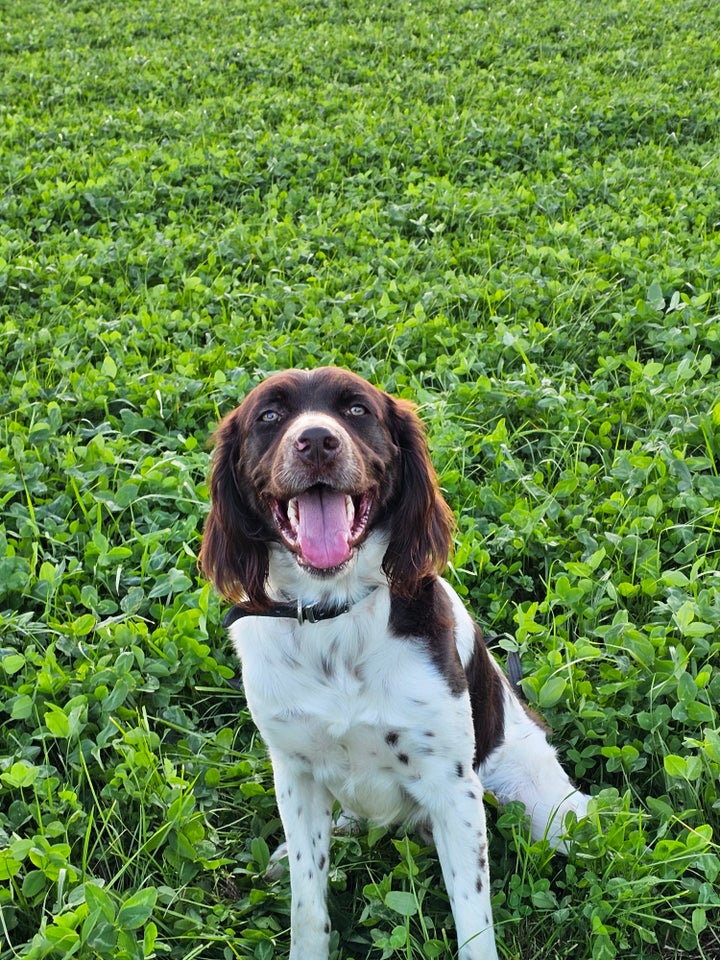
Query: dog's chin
point(324, 573)
point(293, 557)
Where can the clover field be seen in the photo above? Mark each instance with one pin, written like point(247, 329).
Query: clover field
point(508, 211)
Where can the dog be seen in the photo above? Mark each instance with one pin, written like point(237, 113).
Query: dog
point(367, 678)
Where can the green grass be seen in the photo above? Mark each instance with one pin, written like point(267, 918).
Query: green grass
point(509, 211)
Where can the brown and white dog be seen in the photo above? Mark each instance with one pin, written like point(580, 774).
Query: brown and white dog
point(367, 678)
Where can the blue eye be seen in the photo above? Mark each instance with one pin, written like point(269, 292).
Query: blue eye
point(357, 410)
point(269, 416)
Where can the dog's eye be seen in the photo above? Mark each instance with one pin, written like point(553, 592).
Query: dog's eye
point(269, 416)
point(357, 410)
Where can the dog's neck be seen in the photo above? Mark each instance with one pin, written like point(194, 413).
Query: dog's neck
point(304, 613)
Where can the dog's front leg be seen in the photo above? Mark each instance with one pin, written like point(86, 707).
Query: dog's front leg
point(306, 812)
point(459, 832)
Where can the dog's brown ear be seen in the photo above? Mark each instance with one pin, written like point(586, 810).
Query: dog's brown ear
point(233, 553)
point(420, 521)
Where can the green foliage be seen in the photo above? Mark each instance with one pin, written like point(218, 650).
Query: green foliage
point(506, 211)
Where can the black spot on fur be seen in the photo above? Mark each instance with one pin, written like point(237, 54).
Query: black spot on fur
point(479, 884)
point(486, 699)
point(321, 861)
point(459, 769)
point(403, 758)
point(326, 928)
point(391, 738)
point(427, 616)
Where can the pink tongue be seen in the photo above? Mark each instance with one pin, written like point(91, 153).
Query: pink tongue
point(323, 527)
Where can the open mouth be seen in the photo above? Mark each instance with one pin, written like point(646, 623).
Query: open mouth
point(323, 526)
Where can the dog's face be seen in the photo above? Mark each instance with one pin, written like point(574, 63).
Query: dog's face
point(315, 461)
point(318, 454)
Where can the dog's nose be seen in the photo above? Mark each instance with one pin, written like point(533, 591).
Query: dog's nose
point(317, 445)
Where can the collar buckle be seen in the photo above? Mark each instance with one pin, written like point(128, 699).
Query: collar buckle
point(305, 614)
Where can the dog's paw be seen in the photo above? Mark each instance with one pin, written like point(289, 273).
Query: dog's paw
point(557, 828)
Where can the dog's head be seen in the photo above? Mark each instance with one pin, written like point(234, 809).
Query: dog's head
point(314, 461)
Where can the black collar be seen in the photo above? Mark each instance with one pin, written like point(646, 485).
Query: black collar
point(292, 610)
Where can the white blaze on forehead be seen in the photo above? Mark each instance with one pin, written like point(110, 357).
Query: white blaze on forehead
point(313, 420)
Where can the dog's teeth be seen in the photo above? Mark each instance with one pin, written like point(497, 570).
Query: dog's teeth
point(292, 514)
point(349, 509)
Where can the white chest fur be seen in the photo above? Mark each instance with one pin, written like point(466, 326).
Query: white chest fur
point(365, 712)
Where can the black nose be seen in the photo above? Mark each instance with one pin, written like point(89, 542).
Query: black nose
point(317, 445)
